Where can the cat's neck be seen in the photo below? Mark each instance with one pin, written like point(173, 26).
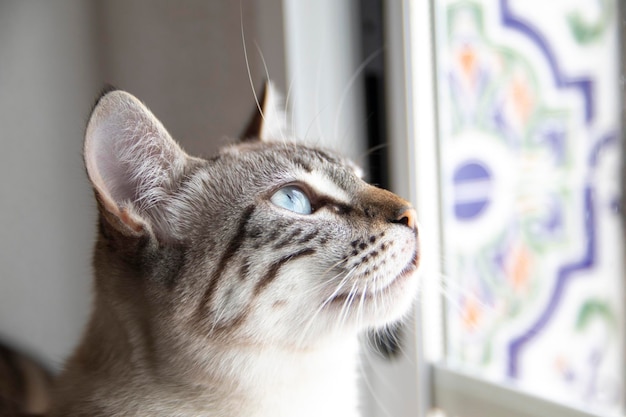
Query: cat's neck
point(314, 382)
point(236, 381)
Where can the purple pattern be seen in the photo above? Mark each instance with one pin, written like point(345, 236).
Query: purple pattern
point(606, 140)
point(585, 85)
point(565, 273)
point(569, 270)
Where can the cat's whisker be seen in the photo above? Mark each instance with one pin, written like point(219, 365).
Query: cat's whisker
point(347, 305)
point(293, 125)
point(362, 158)
point(409, 358)
point(321, 286)
point(324, 304)
point(325, 280)
point(318, 111)
point(347, 277)
point(383, 302)
point(325, 283)
point(375, 298)
point(314, 122)
point(455, 305)
point(245, 54)
point(452, 290)
point(258, 48)
point(376, 291)
point(447, 284)
point(290, 112)
point(361, 305)
point(337, 264)
point(373, 392)
point(283, 134)
point(348, 87)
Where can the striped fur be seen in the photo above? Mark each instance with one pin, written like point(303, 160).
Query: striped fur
point(213, 301)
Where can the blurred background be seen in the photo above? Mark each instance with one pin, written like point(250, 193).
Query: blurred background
point(184, 59)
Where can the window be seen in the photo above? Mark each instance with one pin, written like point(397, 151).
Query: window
point(514, 128)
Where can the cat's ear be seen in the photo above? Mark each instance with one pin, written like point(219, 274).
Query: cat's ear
point(131, 161)
point(269, 121)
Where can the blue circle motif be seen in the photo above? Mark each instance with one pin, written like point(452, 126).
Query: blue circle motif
point(473, 187)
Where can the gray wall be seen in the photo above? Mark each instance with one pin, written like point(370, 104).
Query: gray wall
point(184, 59)
point(47, 81)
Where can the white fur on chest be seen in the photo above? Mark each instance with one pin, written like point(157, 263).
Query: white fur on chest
point(320, 383)
point(252, 383)
point(285, 383)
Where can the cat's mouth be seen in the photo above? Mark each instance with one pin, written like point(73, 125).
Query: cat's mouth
point(360, 295)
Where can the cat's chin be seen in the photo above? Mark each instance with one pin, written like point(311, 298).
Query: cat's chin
point(390, 289)
point(382, 305)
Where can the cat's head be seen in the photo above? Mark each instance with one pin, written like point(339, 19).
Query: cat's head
point(266, 242)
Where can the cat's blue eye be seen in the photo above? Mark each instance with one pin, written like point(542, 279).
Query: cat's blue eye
point(293, 199)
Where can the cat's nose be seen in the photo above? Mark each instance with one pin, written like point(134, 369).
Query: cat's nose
point(406, 216)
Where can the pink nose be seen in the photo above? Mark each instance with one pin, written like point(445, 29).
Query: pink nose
point(407, 217)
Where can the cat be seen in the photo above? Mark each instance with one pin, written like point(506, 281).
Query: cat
point(234, 285)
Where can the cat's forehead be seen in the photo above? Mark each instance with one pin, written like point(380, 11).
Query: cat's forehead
point(324, 170)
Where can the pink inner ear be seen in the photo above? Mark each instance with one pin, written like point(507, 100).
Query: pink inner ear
point(114, 175)
point(94, 175)
point(101, 162)
point(104, 193)
point(130, 157)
